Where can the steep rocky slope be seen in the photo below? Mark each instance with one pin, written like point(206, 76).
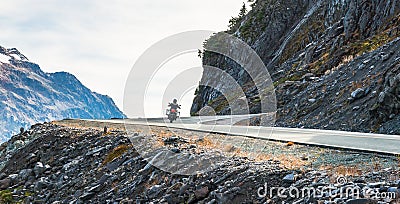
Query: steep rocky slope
point(335, 64)
point(28, 95)
point(85, 165)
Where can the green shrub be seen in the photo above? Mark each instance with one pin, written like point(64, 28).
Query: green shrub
point(6, 196)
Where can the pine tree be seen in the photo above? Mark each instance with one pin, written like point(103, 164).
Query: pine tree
point(243, 11)
point(234, 20)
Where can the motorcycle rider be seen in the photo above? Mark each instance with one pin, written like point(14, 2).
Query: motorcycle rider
point(173, 111)
point(174, 105)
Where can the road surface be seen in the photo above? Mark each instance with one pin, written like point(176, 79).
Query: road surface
point(378, 143)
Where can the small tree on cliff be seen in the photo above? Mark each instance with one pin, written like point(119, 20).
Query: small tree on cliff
point(243, 11)
point(234, 20)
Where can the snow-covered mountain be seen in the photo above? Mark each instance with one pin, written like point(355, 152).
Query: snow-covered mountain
point(28, 95)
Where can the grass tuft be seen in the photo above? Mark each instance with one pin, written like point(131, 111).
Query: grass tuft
point(6, 196)
point(116, 152)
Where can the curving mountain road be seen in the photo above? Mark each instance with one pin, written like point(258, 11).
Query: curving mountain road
point(367, 142)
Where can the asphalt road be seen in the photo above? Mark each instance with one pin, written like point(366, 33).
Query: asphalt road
point(386, 144)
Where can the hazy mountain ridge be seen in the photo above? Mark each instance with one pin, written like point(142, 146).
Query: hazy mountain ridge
point(319, 53)
point(28, 95)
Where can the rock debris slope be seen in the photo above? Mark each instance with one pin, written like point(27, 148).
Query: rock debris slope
point(69, 165)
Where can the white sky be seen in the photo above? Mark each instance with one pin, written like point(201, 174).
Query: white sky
point(97, 40)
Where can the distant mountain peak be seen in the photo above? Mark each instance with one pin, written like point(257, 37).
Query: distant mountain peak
point(13, 53)
point(28, 95)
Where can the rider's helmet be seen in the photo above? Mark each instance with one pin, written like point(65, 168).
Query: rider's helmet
point(175, 101)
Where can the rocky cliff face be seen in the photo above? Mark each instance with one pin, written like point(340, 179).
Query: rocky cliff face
point(335, 64)
point(28, 95)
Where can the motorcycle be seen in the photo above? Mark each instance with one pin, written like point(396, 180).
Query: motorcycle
point(172, 114)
